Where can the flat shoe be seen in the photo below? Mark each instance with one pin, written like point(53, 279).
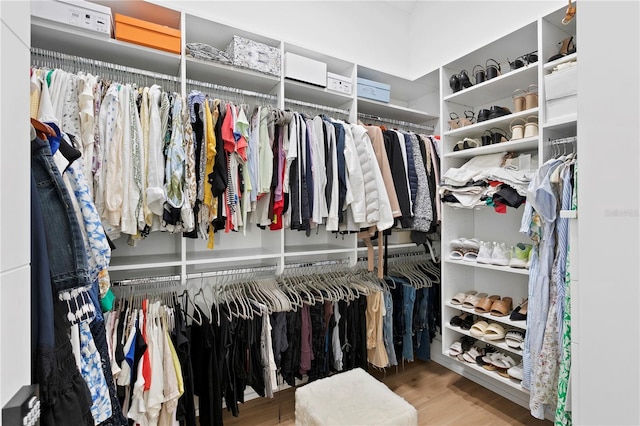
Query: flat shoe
point(467, 323)
point(514, 339)
point(459, 298)
point(502, 308)
point(472, 300)
point(478, 329)
point(494, 332)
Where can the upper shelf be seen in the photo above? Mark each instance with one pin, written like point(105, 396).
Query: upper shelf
point(394, 112)
point(58, 38)
point(227, 75)
point(519, 145)
point(497, 88)
point(317, 95)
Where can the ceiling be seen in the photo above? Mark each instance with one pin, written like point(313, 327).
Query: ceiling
point(404, 5)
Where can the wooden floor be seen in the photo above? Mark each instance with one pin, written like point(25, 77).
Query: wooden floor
point(441, 397)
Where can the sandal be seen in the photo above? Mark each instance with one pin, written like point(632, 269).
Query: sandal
point(478, 329)
point(455, 349)
point(468, 143)
point(459, 298)
point(514, 339)
point(502, 308)
point(484, 305)
point(503, 361)
point(472, 300)
point(454, 122)
point(467, 322)
point(471, 355)
point(457, 320)
point(520, 313)
point(494, 332)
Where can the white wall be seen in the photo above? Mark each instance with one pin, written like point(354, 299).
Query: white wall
point(363, 32)
point(15, 329)
point(608, 291)
point(441, 31)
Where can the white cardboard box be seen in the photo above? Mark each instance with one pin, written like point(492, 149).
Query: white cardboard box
point(306, 70)
point(339, 83)
point(76, 13)
point(561, 83)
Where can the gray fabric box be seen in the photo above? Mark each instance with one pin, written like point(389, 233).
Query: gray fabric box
point(256, 56)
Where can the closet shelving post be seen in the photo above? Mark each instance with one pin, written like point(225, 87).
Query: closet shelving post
point(482, 222)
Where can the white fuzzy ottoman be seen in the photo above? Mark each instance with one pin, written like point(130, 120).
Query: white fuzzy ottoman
point(351, 398)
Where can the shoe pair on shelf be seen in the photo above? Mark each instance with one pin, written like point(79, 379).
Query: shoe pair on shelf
point(464, 249)
point(520, 312)
point(482, 303)
point(520, 256)
point(493, 253)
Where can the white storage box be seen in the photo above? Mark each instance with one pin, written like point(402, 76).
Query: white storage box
point(76, 13)
point(374, 90)
point(306, 70)
point(561, 83)
point(339, 83)
point(556, 108)
point(256, 56)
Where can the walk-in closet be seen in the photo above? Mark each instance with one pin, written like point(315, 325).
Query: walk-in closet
point(319, 212)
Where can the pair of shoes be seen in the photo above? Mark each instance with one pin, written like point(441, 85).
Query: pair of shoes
point(494, 305)
point(497, 111)
point(455, 122)
point(460, 297)
point(523, 60)
point(525, 99)
point(520, 256)
point(567, 47)
point(464, 249)
point(493, 253)
point(465, 320)
point(493, 136)
point(466, 143)
point(520, 312)
point(460, 81)
point(491, 332)
point(498, 361)
point(516, 372)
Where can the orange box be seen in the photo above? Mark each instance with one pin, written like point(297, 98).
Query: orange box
point(147, 34)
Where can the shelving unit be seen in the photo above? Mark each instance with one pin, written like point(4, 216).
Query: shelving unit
point(542, 36)
point(172, 254)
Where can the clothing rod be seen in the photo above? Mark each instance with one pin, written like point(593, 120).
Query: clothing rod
point(224, 272)
point(57, 56)
point(571, 139)
point(316, 106)
point(398, 122)
point(146, 280)
point(315, 264)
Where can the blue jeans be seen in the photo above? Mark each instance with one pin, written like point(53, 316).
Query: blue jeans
point(409, 297)
point(423, 340)
point(387, 328)
point(65, 246)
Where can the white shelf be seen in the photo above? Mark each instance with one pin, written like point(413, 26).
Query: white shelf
point(564, 121)
point(229, 255)
point(497, 343)
point(569, 214)
point(520, 145)
point(504, 320)
point(228, 75)
point(316, 249)
point(317, 95)
point(515, 384)
point(497, 88)
point(59, 38)
point(390, 246)
point(153, 261)
point(475, 130)
point(519, 271)
point(572, 57)
point(395, 112)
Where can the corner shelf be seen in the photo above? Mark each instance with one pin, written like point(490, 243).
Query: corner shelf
point(395, 112)
point(478, 128)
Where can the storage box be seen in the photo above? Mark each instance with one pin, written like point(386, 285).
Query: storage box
point(561, 83)
point(147, 34)
point(306, 70)
point(374, 90)
point(80, 14)
point(339, 83)
point(256, 56)
point(556, 108)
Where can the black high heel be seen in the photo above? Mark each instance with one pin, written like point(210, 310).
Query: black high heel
point(454, 83)
point(465, 82)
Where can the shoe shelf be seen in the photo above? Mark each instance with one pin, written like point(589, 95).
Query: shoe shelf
point(489, 266)
point(503, 320)
point(475, 130)
point(519, 145)
point(550, 65)
point(497, 88)
point(500, 344)
point(515, 384)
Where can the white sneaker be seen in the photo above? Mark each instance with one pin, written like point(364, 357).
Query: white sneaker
point(500, 255)
point(484, 254)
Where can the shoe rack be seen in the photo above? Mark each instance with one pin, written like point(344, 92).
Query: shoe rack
point(483, 223)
